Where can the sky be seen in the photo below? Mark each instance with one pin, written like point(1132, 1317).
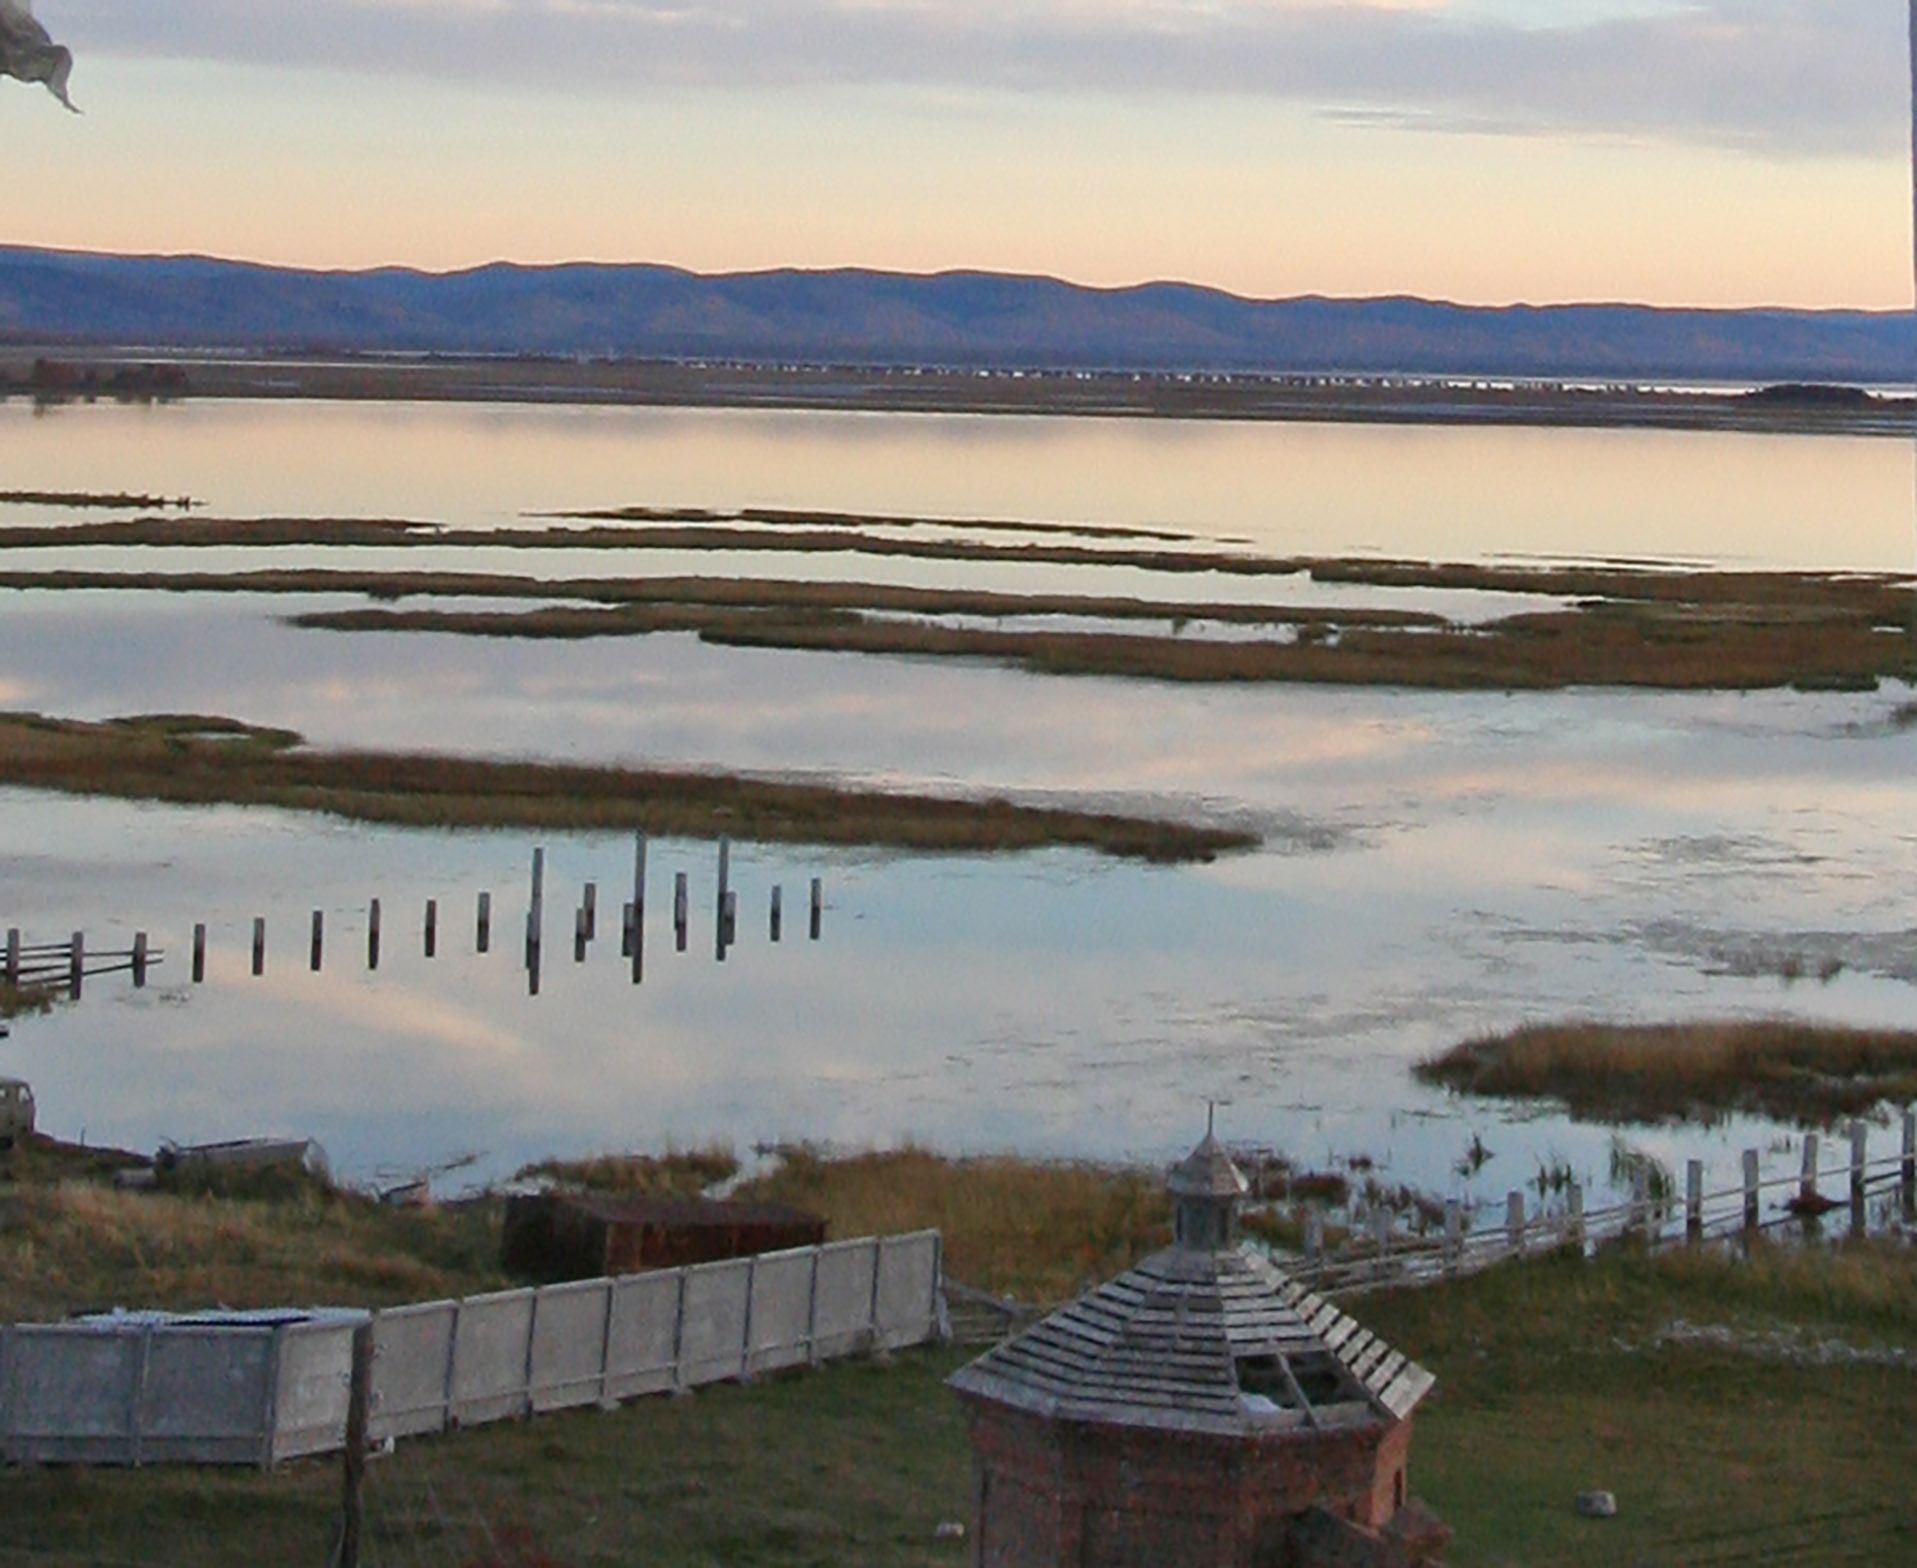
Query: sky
point(1715, 152)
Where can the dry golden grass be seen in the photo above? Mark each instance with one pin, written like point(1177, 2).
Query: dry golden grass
point(1038, 1230)
point(1783, 1068)
point(679, 1173)
point(194, 759)
point(75, 1245)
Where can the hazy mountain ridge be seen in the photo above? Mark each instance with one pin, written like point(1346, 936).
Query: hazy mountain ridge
point(954, 318)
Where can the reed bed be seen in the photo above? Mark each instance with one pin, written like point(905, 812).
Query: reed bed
point(189, 759)
point(1787, 1069)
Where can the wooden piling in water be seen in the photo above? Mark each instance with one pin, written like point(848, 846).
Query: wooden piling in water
point(483, 924)
point(199, 954)
point(536, 912)
point(76, 964)
point(1807, 1182)
point(432, 928)
point(1694, 1201)
point(719, 909)
point(259, 945)
point(372, 935)
point(778, 898)
point(589, 907)
point(139, 960)
point(13, 955)
point(581, 933)
point(1752, 1209)
point(680, 910)
point(317, 955)
point(818, 908)
point(625, 932)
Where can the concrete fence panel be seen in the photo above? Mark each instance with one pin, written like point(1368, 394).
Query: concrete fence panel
point(203, 1396)
point(642, 1341)
point(781, 1314)
point(713, 1327)
point(492, 1357)
point(569, 1344)
point(412, 1369)
point(311, 1389)
point(908, 1289)
point(842, 1321)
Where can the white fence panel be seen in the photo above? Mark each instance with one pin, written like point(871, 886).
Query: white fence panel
point(781, 1310)
point(842, 1323)
point(908, 1308)
point(69, 1395)
point(311, 1389)
point(642, 1341)
point(492, 1353)
point(203, 1398)
point(569, 1344)
point(712, 1332)
point(412, 1369)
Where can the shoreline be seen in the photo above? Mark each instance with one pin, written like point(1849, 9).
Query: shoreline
point(1422, 398)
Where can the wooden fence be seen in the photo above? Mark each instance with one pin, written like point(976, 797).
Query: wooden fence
point(1379, 1254)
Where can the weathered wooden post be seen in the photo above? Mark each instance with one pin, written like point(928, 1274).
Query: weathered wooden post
point(76, 964)
point(1807, 1182)
point(778, 898)
point(483, 924)
point(581, 933)
point(359, 1401)
point(589, 907)
point(1314, 1236)
point(199, 954)
point(1753, 1214)
point(1514, 1221)
point(636, 924)
point(1453, 1234)
point(536, 912)
point(1694, 1202)
point(13, 955)
point(725, 882)
point(1381, 1232)
point(259, 945)
point(680, 911)
point(1859, 1156)
point(732, 918)
point(372, 935)
point(1909, 1172)
point(317, 954)
point(432, 928)
point(1641, 1201)
point(139, 959)
point(1576, 1193)
point(818, 907)
point(625, 932)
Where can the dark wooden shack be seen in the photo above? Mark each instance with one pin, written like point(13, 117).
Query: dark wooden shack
point(553, 1236)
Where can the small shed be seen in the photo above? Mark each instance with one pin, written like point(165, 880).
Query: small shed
point(1199, 1411)
point(553, 1236)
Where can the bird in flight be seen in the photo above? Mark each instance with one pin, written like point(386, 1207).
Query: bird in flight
point(29, 53)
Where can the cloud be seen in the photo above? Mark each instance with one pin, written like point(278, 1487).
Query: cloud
point(1784, 77)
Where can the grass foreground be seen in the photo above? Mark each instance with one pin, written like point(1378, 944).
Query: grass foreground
point(1787, 1069)
point(195, 759)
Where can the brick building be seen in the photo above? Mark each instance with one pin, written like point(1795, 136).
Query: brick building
point(1200, 1411)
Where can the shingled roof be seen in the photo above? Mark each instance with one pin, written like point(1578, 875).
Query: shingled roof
point(1201, 1339)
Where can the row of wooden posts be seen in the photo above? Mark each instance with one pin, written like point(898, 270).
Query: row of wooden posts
point(1724, 1212)
point(51, 964)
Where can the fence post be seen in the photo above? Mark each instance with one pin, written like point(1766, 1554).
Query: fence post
point(483, 923)
point(136, 1398)
point(199, 954)
point(372, 935)
point(812, 1312)
point(606, 1401)
point(745, 1333)
point(1514, 1220)
point(358, 1407)
point(1694, 1201)
point(1909, 1173)
point(1381, 1231)
point(1807, 1183)
point(13, 955)
point(1577, 1215)
point(1859, 1156)
point(76, 964)
point(536, 914)
point(432, 928)
point(875, 1345)
point(725, 880)
point(1314, 1236)
point(1453, 1233)
point(139, 959)
point(319, 940)
point(679, 1385)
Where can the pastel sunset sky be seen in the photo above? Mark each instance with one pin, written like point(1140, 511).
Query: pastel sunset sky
point(1675, 151)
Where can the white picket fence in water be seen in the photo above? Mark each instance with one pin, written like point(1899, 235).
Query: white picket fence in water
point(258, 1393)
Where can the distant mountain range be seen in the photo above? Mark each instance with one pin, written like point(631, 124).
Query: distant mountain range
point(950, 319)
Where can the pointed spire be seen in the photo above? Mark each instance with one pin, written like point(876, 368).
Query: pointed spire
point(1205, 1188)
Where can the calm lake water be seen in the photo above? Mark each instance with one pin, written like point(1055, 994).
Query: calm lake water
point(1435, 864)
